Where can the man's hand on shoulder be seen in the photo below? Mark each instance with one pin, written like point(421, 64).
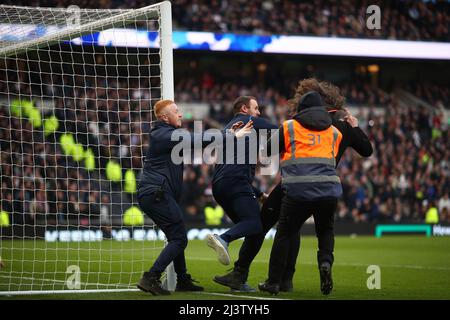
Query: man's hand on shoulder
point(351, 120)
point(239, 130)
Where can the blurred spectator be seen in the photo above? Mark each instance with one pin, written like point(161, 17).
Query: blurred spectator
point(432, 215)
point(105, 214)
point(213, 213)
point(444, 207)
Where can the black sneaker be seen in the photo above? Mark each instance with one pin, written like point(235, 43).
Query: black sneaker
point(152, 283)
point(234, 279)
point(269, 287)
point(187, 284)
point(286, 286)
point(326, 281)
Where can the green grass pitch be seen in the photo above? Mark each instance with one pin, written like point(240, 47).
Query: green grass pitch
point(412, 267)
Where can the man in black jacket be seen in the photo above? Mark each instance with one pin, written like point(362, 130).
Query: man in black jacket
point(232, 183)
point(159, 196)
point(353, 137)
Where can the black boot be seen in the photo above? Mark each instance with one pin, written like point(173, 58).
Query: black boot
point(187, 284)
point(234, 279)
point(151, 282)
point(326, 281)
point(286, 285)
point(269, 287)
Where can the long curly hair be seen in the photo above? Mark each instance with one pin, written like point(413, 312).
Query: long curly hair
point(330, 94)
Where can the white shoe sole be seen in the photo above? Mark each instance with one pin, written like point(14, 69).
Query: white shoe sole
point(222, 253)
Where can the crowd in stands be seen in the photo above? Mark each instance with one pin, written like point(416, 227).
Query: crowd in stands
point(405, 20)
point(400, 20)
point(39, 183)
point(430, 92)
point(408, 173)
point(38, 179)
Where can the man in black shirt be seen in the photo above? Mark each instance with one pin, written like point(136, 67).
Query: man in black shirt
point(232, 183)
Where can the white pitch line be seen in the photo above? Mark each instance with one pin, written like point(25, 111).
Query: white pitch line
point(408, 266)
point(62, 281)
point(27, 293)
point(18, 293)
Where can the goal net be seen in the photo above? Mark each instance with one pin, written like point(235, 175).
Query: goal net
point(77, 88)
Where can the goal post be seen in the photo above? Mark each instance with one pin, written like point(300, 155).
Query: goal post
point(167, 93)
point(77, 88)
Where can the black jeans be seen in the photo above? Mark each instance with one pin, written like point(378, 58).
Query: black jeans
point(167, 215)
point(241, 206)
point(270, 213)
point(293, 215)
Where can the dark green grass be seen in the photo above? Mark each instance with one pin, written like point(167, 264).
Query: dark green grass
point(412, 267)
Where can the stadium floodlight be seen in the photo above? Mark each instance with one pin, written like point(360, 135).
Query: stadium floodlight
point(73, 121)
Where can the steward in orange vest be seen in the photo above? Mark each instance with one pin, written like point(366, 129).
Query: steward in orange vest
point(352, 137)
point(308, 161)
point(309, 144)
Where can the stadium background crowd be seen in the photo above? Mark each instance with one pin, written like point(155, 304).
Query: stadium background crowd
point(402, 20)
point(408, 173)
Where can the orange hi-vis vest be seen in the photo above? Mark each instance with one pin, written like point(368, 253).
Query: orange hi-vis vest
point(308, 164)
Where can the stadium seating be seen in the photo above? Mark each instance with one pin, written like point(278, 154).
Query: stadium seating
point(404, 20)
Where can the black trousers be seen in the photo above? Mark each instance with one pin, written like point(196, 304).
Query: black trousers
point(241, 205)
point(293, 215)
point(167, 215)
point(270, 214)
